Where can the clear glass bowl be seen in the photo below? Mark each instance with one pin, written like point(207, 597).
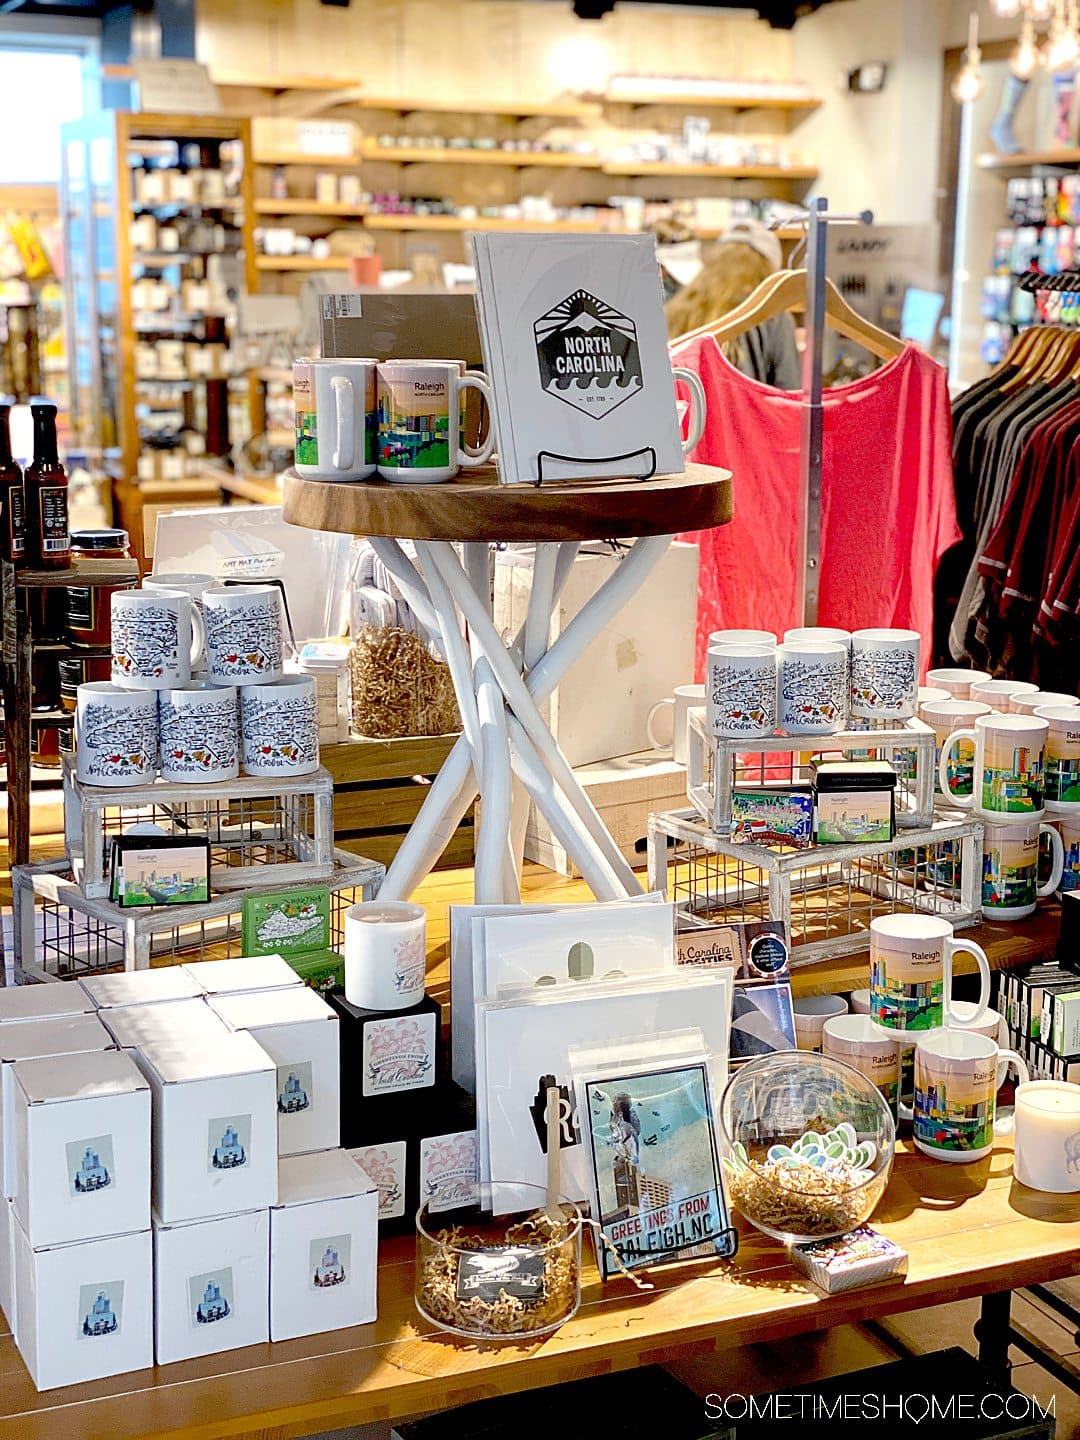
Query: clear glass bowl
point(807, 1145)
point(499, 1277)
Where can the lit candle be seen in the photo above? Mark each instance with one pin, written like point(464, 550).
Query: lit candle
point(1047, 1153)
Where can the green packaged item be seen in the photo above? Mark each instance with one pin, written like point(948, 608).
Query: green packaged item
point(322, 970)
point(287, 922)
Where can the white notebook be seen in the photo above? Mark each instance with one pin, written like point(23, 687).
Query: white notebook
point(575, 347)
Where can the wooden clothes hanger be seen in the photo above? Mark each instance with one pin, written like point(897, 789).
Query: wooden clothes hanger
point(787, 291)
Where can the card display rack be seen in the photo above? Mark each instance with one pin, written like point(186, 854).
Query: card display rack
point(827, 895)
point(717, 767)
point(261, 831)
point(59, 932)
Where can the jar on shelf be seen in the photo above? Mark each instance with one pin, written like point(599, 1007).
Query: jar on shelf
point(89, 606)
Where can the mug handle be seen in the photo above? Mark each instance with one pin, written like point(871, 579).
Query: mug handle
point(344, 452)
point(1003, 1124)
point(469, 459)
point(198, 637)
point(698, 407)
point(656, 745)
point(951, 947)
point(964, 802)
point(1057, 869)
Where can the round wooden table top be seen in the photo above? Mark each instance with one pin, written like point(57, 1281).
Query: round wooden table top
point(476, 507)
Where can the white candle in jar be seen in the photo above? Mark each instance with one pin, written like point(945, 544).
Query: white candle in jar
point(384, 954)
point(1047, 1153)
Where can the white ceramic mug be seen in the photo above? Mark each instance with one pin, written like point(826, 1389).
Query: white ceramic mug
point(812, 685)
point(956, 1083)
point(116, 734)
point(1010, 868)
point(859, 1001)
point(740, 689)
point(420, 422)
point(279, 724)
point(335, 418)
point(1069, 830)
point(1008, 774)
point(696, 423)
point(811, 1013)
point(857, 1041)
point(243, 634)
point(742, 637)
point(199, 729)
point(885, 673)
point(686, 697)
point(957, 682)
point(997, 693)
point(1042, 700)
point(1062, 774)
point(385, 954)
point(817, 635)
point(192, 583)
point(156, 637)
point(966, 1017)
point(1046, 1150)
point(943, 717)
point(911, 972)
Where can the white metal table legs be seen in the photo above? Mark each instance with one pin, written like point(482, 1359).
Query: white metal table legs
point(504, 739)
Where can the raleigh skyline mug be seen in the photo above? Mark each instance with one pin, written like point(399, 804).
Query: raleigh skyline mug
point(911, 972)
point(957, 1077)
point(996, 693)
point(335, 418)
point(1062, 758)
point(420, 424)
point(1010, 868)
point(957, 682)
point(1008, 774)
point(944, 717)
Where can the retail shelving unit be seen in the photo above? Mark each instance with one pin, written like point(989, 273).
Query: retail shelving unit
point(116, 411)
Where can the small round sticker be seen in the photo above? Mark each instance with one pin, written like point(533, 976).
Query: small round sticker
point(768, 954)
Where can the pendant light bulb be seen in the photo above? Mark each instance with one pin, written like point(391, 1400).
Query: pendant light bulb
point(1062, 47)
point(1005, 9)
point(968, 85)
point(1026, 57)
point(1040, 10)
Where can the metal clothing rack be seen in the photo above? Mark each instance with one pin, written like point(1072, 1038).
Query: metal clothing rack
point(817, 219)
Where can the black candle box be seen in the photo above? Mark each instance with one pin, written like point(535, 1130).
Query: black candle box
point(385, 1056)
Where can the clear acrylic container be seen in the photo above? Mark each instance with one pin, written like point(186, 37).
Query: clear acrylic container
point(807, 1145)
point(499, 1277)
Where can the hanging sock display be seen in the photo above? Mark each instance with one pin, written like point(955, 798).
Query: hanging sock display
point(1002, 134)
point(1064, 94)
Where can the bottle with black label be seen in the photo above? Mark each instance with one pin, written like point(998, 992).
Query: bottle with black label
point(12, 519)
point(45, 482)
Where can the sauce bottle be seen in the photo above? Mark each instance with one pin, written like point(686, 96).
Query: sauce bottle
point(12, 519)
point(48, 544)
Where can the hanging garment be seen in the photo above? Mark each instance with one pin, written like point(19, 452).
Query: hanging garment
point(888, 510)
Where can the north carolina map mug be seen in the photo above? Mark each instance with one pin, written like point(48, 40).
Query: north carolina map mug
point(243, 633)
point(200, 732)
point(116, 734)
point(911, 960)
point(1008, 766)
point(740, 689)
point(156, 636)
point(813, 683)
point(279, 723)
point(885, 673)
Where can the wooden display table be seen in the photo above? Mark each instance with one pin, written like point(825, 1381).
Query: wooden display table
point(500, 685)
point(969, 1230)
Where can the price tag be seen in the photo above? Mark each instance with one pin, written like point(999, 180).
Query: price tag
point(341, 307)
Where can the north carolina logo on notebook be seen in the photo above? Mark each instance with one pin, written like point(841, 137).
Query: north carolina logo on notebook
point(588, 354)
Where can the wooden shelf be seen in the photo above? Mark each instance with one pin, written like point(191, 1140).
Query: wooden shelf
point(484, 222)
point(715, 172)
point(282, 84)
point(1028, 159)
point(571, 109)
point(288, 157)
point(448, 155)
point(264, 206)
point(301, 262)
point(730, 100)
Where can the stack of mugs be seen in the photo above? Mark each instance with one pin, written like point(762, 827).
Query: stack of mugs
point(1010, 753)
point(819, 681)
point(197, 687)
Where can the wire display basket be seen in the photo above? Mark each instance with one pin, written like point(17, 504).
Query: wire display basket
point(60, 933)
point(716, 768)
point(261, 831)
point(826, 895)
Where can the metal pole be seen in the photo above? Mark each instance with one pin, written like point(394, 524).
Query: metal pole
point(813, 414)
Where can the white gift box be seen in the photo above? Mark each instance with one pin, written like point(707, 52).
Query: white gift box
point(211, 1282)
point(324, 1235)
point(246, 972)
point(81, 1133)
point(84, 1311)
point(43, 1002)
point(7, 1284)
point(214, 1125)
point(31, 1040)
point(141, 987)
point(299, 1031)
point(133, 1026)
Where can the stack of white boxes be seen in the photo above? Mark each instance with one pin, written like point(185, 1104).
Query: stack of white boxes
point(214, 1089)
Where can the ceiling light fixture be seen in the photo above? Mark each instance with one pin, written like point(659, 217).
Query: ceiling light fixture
point(968, 85)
